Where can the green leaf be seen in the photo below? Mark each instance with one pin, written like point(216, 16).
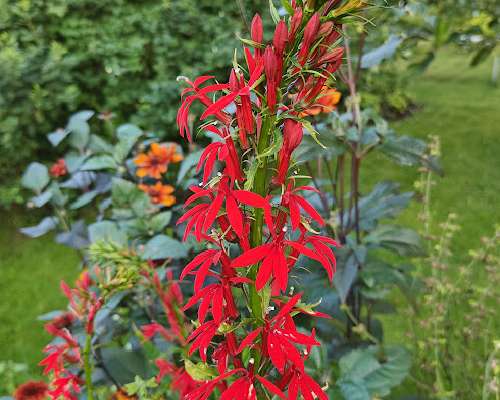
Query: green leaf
point(128, 130)
point(45, 225)
point(313, 132)
point(162, 246)
point(57, 136)
point(128, 135)
point(41, 199)
point(404, 241)
point(189, 162)
point(99, 162)
point(160, 221)
point(106, 231)
point(274, 148)
point(288, 7)
point(406, 150)
point(199, 371)
point(125, 364)
point(374, 370)
point(84, 199)
point(274, 12)
point(381, 53)
point(36, 177)
point(80, 133)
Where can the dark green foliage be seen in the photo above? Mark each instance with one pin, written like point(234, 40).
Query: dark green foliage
point(115, 56)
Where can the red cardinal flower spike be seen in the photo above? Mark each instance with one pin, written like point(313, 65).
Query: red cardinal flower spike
point(254, 216)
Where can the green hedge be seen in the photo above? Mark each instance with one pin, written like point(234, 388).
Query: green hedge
point(122, 56)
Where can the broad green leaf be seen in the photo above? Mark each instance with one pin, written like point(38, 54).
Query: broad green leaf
point(106, 231)
point(45, 225)
point(36, 177)
point(57, 136)
point(126, 364)
point(199, 371)
point(162, 246)
point(274, 12)
point(404, 241)
point(190, 161)
point(84, 199)
point(99, 162)
point(41, 199)
point(160, 221)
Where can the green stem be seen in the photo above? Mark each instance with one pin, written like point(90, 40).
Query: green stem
point(260, 187)
point(88, 367)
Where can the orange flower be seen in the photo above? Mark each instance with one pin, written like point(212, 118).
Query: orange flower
point(159, 193)
point(155, 162)
point(122, 395)
point(325, 104)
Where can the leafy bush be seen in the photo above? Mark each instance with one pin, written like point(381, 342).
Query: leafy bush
point(117, 56)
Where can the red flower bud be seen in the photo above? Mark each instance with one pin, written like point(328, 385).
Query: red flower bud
point(295, 23)
point(280, 38)
point(256, 29)
point(271, 68)
point(309, 35)
point(292, 134)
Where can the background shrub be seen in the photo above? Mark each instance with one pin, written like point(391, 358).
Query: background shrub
point(118, 56)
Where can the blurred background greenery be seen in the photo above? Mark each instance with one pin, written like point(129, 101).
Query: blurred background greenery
point(123, 57)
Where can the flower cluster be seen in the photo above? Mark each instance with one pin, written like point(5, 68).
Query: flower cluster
point(59, 168)
point(154, 164)
point(64, 352)
point(255, 206)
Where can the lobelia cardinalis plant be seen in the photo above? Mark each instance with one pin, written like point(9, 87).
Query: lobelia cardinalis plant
point(254, 206)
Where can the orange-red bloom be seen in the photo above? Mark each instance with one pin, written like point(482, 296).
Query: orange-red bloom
point(326, 103)
point(59, 168)
point(155, 162)
point(32, 390)
point(160, 193)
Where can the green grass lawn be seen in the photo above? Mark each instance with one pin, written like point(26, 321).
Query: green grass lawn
point(458, 104)
point(30, 272)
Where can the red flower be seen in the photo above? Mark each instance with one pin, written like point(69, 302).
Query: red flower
point(279, 337)
point(151, 330)
point(203, 262)
point(58, 168)
point(181, 381)
point(292, 136)
point(31, 390)
point(303, 383)
point(197, 93)
point(202, 337)
point(309, 35)
point(66, 386)
point(295, 203)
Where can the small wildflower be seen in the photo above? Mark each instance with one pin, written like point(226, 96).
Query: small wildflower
point(155, 162)
point(160, 194)
point(59, 168)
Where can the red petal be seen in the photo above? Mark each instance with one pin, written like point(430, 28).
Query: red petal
point(219, 105)
point(271, 387)
point(249, 339)
point(252, 256)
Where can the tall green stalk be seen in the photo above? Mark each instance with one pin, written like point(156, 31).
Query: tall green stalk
point(260, 187)
point(87, 365)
